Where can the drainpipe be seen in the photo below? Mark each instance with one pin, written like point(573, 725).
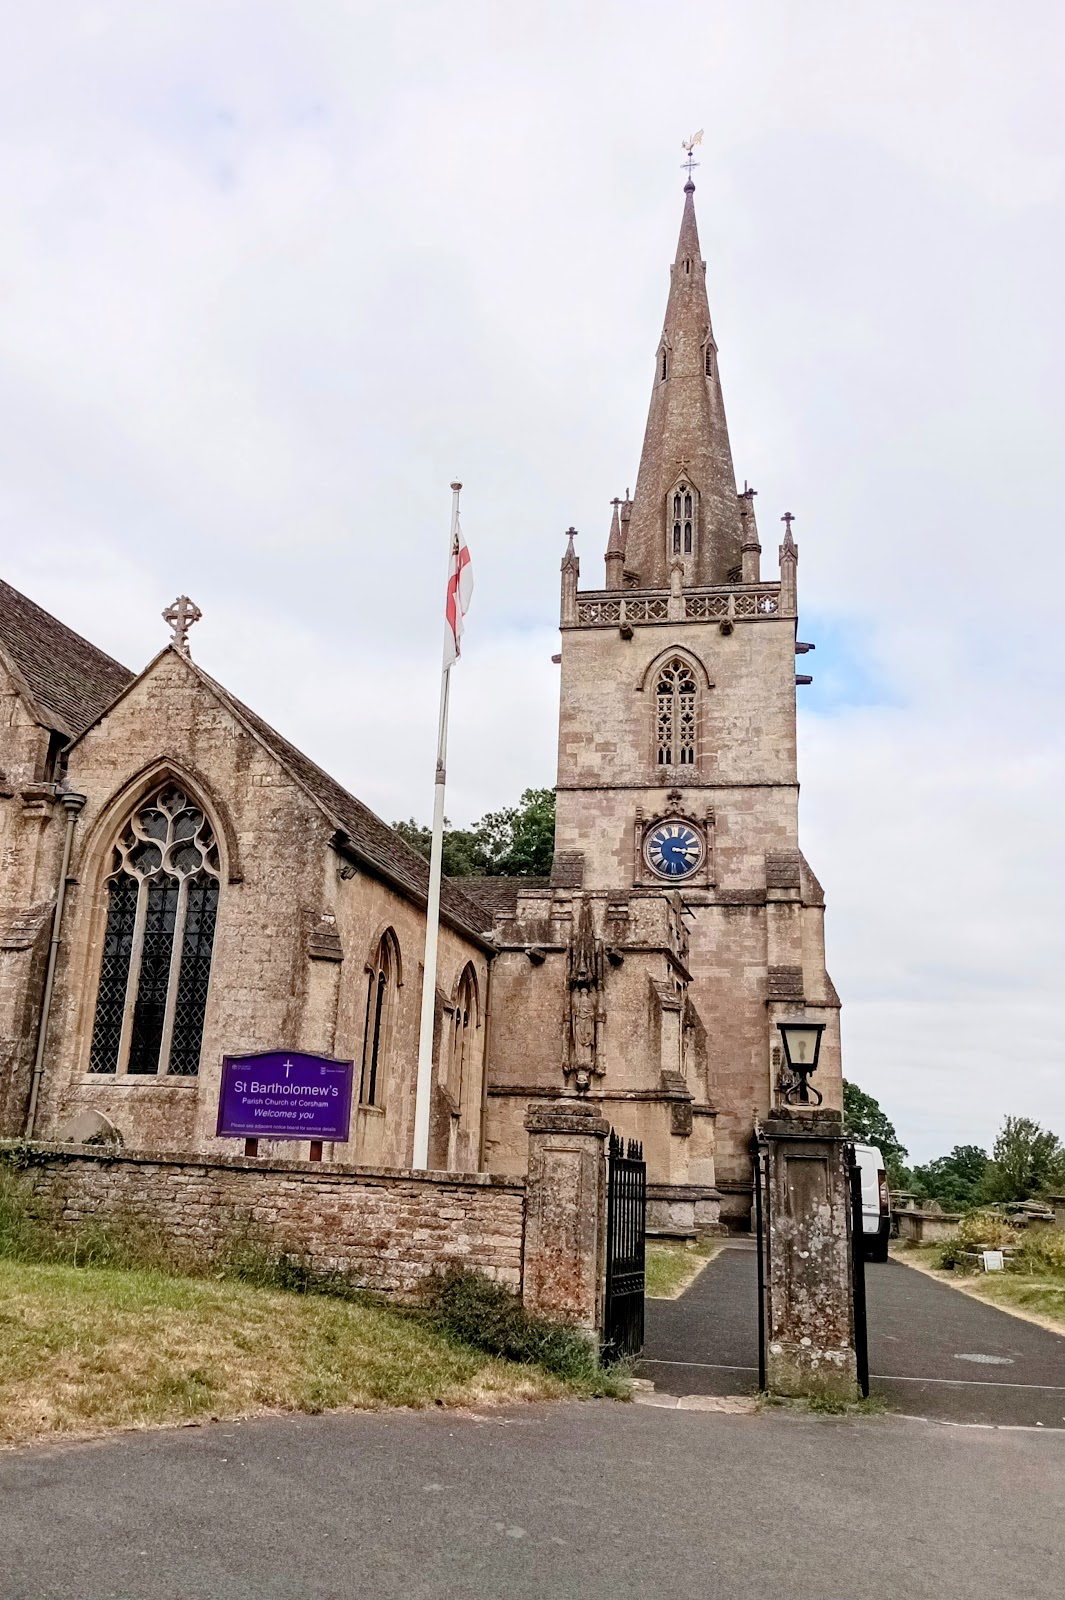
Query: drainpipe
point(72, 804)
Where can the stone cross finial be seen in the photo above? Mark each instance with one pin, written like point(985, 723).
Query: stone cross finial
point(181, 616)
point(788, 518)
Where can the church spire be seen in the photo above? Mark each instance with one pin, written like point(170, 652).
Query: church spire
point(686, 504)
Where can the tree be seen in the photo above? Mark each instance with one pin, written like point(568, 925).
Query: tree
point(1027, 1160)
point(516, 842)
point(520, 841)
point(864, 1118)
point(463, 855)
point(956, 1181)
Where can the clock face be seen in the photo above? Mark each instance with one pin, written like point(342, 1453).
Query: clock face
point(673, 849)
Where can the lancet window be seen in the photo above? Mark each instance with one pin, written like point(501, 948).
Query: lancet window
point(463, 1023)
point(675, 710)
point(382, 974)
point(162, 905)
point(683, 519)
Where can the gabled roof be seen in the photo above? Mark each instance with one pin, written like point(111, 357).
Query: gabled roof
point(71, 685)
point(370, 840)
point(68, 680)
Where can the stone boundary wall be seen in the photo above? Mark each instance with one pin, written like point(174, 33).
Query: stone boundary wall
point(386, 1229)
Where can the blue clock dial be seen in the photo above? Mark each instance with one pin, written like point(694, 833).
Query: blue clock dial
point(673, 850)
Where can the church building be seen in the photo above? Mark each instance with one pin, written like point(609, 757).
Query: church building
point(181, 883)
point(682, 919)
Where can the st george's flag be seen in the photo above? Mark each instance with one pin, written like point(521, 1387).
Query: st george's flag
point(459, 594)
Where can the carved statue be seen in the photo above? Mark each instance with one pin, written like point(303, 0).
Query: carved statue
point(585, 1013)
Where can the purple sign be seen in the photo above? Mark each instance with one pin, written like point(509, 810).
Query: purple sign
point(283, 1094)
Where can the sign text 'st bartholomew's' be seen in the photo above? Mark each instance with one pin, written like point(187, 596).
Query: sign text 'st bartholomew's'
point(284, 1094)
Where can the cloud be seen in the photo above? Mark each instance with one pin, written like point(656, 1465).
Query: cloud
point(272, 275)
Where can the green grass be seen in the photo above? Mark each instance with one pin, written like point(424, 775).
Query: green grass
point(826, 1405)
point(1034, 1285)
point(106, 1326)
point(83, 1350)
point(672, 1266)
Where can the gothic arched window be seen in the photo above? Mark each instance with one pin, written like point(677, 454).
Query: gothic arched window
point(460, 1075)
point(675, 714)
point(162, 904)
point(683, 519)
point(463, 1023)
point(381, 976)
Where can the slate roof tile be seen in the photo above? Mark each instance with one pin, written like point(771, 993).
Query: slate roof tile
point(70, 680)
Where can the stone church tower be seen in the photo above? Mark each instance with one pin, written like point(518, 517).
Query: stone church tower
point(681, 920)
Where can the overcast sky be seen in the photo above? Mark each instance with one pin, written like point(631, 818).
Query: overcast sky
point(271, 274)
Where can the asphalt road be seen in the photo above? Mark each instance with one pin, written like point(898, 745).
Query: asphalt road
point(596, 1501)
point(932, 1351)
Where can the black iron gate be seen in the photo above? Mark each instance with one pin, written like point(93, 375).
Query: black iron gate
point(626, 1227)
point(861, 1327)
point(761, 1228)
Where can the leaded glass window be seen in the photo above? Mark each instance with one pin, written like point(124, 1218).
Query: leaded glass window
point(675, 714)
point(162, 903)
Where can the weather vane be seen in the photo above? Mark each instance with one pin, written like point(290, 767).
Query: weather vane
point(688, 145)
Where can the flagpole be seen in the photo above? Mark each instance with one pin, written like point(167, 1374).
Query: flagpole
point(423, 1090)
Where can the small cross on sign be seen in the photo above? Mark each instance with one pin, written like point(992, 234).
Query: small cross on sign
point(181, 615)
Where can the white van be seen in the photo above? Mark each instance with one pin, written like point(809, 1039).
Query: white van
point(876, 1202)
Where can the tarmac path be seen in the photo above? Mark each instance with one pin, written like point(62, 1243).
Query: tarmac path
point(932, 1351)
point(597, 1501)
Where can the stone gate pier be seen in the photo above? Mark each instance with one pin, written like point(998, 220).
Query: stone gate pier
point(809, 1324)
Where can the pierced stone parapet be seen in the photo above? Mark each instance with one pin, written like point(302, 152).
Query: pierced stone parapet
point(745, 603)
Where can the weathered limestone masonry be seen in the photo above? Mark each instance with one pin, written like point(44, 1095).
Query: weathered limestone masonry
point(565, 1238)
point(681, 920)
point(809, 1300)
point(316, 913)
point(387, 1230)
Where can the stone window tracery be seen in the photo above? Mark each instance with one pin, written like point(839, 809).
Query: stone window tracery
point(162, 906)
point(682, 508)
point(380, 982)
point(675, 712)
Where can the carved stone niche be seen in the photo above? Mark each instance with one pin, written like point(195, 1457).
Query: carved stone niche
point(585, 1014)
point(674, 810)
